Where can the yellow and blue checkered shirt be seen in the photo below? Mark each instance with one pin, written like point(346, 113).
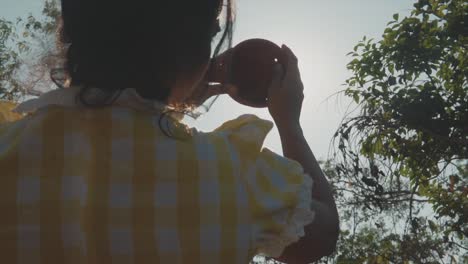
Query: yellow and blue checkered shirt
point(80, 185)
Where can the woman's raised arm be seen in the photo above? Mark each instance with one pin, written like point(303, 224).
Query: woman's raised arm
point(285, 104)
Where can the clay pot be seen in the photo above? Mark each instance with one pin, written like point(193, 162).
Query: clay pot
point(249, 67)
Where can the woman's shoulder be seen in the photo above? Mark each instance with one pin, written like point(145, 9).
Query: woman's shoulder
point(246, 132)
point(6, 113)
point(278, 187)
point(248, 126)
point(245, 122)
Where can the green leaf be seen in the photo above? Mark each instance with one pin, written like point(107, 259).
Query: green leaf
point(433, 226)
point(356, 98)
point(391, 68)
point(396, 16)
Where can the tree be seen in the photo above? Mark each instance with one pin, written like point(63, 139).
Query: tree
point(406, 144)
point(9, 63)
point(28, 53)
point(373, 234)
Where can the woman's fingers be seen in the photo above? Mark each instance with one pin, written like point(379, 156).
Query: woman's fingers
point(291, 56)
point(285, 99)
point(277, 74)
point(292, 72)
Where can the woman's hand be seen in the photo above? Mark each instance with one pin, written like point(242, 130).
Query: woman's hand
point(285, 103)
point(203, 92)
point(285, 95)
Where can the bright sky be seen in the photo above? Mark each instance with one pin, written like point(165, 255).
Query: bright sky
point(320, 33)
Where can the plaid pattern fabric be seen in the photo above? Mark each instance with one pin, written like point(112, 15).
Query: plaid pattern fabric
point(107, 186)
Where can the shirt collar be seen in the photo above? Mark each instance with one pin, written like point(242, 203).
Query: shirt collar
point(67, 97)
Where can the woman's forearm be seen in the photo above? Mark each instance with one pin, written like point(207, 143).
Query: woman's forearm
point(322, 234)
point(296, 147)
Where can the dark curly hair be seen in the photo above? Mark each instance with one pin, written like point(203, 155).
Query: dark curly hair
point(116, 44)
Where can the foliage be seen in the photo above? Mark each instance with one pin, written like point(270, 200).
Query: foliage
point(9, 63)
point(28, 52)
point(379, 235)
point(412, 91)
point(370, 244)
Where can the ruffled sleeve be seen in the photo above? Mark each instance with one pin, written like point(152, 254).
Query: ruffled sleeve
point(279, 190)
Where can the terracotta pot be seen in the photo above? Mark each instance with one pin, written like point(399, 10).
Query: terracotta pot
point(249, 67)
